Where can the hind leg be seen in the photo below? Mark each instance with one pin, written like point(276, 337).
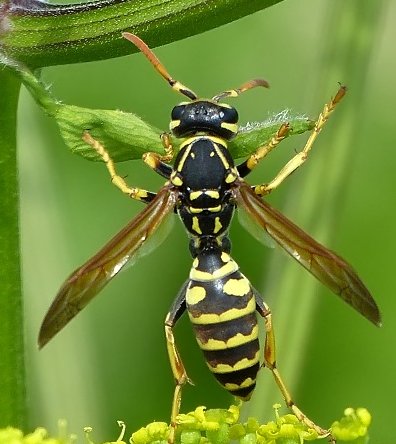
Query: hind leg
point(270, 363)
point(178, 369)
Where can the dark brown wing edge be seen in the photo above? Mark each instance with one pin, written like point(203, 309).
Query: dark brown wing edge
point(325, 265)
point(85, 282)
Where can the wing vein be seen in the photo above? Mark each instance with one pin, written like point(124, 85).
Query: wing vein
point(329, 268)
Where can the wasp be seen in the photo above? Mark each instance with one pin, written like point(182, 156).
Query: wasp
point(204, 186)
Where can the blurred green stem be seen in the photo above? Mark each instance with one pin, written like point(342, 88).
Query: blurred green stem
point(12, 371)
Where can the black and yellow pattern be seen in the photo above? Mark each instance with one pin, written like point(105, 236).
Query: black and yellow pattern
point(205, 209)
point(222, 309)
point(204, 187)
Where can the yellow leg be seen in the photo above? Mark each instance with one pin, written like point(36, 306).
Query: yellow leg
point(168, 147)
point(301, 157)
point(157, 162)
point(251, 162)
point(118, 181)
point(270, 363)
point(179, 373)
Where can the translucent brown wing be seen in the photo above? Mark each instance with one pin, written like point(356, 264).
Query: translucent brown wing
point(85, 282)
point(325, 265)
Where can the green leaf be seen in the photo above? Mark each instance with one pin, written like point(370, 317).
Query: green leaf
point(43, 34)
point(126, 136)
point(255, 134)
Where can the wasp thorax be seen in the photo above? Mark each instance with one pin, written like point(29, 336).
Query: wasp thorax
point(204, 116)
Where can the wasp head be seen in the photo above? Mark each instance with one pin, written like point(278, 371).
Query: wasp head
point(204, 116)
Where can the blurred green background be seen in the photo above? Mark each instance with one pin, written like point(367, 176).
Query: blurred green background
point(111, 363)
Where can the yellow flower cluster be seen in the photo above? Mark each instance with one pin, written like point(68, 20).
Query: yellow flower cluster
point(215, 426)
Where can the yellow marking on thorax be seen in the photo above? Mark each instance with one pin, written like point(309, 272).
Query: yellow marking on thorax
point(195, 295)
point(214, 139)
point(205, 276)
point(195, 225)
point(214, 209)
point(240, 365)
point(214, 194)
point(194, 210)
point(188, 142)
point(237, 287)
point(224, 161)
point(218, 225)
point(183, 158)
point(233, 313)
point(195, 194)
point(218, 141)
point(232, 176)
point(238, 339)
point(176, 179)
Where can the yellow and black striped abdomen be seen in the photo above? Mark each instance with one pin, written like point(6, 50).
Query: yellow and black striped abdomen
point(221, 306)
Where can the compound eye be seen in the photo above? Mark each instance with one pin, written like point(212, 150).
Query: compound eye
point(177, 112)
point(230, 115)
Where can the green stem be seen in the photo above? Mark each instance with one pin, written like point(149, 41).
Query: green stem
point(12, 372)
point(40, 34)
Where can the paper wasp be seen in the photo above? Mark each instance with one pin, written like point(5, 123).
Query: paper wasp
point(205, 187)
